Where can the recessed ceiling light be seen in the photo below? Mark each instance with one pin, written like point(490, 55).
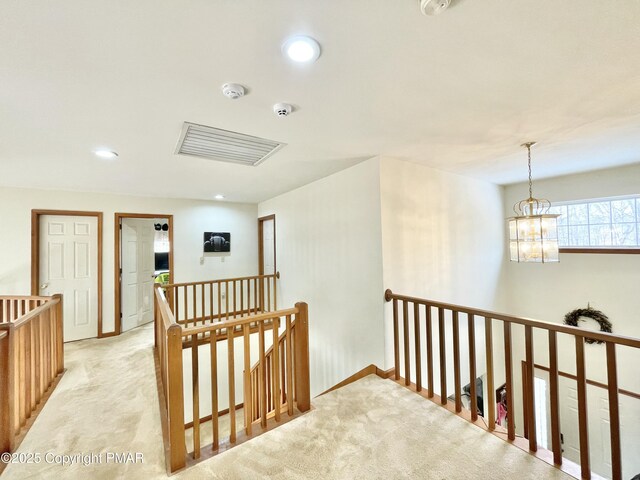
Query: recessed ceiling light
point(219, 197)
point(301, 49)
point(102, 153)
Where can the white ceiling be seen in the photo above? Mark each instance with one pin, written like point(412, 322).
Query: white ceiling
point(458, 92)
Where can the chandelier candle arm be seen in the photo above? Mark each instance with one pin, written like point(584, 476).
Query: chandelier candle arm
point(533, 232)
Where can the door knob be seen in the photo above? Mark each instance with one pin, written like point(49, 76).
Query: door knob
point(44, 285)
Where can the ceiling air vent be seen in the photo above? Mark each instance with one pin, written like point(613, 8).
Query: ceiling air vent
point(224, 146)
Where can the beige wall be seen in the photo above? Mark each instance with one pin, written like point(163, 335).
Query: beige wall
point(191, 219)
point(329, 253)
point(443, 239)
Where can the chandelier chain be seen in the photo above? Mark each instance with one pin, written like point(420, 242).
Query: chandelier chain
point(529, 163)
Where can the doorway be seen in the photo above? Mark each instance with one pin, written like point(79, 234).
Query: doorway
point(143, 257)
point(267, 245)
point(66, 258)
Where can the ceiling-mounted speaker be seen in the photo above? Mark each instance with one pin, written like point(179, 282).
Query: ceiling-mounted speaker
point(434, 7)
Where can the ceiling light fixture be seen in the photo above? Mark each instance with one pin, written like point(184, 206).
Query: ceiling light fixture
point(103, 153)
point(434, 7)
point(533, 232)
point(219, 197)
point(301, 49)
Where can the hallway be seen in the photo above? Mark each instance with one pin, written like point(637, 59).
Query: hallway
point(107, 402)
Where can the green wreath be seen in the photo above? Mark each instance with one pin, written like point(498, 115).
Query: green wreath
point(572, 318)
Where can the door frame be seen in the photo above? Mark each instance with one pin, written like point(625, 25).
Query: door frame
point(35, 251)
point(261, 220)
point(117, 229)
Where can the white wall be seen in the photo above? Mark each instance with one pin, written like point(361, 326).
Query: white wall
point(329, 254)
point(606, 282)
point(191, 219)
point(443, 239)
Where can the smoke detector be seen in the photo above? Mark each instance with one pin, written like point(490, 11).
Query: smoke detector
point(282, 109)
point(233, 90)
point(433, 7)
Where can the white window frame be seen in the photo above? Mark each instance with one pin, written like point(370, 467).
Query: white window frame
point(616, 249)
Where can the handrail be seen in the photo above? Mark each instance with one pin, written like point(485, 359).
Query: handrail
point(408, 322)
point(236, 279)
point(602, 336)
point(167, 314)
point(238, 322)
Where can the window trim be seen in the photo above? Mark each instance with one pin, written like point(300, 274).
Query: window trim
point(609, 250)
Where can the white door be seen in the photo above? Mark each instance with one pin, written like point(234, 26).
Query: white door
point(69, 265)
point(137, 264)
point(268, 247)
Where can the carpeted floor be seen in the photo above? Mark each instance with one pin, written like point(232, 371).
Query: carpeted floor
point(372, 429)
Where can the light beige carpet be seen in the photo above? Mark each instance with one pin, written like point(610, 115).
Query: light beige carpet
point(372, 429)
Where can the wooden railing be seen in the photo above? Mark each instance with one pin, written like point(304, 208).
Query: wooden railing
point(411, 313)
point(198, 303)
point(172, 337)
point(31, 361)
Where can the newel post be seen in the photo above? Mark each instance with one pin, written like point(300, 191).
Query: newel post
point(175, 398)
point(59, 332)
point(7, 437)
point(303, 388)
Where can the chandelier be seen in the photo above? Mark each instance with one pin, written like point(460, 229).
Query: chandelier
point(533, 232)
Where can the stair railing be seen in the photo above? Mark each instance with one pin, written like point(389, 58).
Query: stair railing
point(411, 313)
point(289, 353)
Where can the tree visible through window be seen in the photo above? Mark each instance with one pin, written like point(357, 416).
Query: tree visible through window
point(601, 223)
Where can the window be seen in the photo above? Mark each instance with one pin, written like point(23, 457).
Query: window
point(609, 223)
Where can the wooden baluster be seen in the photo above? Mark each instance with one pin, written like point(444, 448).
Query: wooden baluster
point(289, 362)
point(213, 350)
point(176, 301)
point(235, 306)
point(26, 329)
point(241, 297)
point(443, 357)
point(22, 383)
point(490, 405)
point(204, 316)
point(277, 398)
point(226, 299)
point(511, 428)
point(268, 282)
point(186, 306)
point(275, 292)
point(258, 297)
point(582, 409)
point(472, 367)
point(556, 445)
point(232, 387)
point(262, 374)
point(396, 345)
point(283, 373)
point(530, 400)
point(211, 304)
point(416, 334)
point(219, 301)
point(248, 297)
point(429, 350)
point(196, 394)
point(195, 306)
point(614, 412)
point(247, 394)
point(405, 332)
point(37, 374)
point(456, 362)
point(269, 383)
